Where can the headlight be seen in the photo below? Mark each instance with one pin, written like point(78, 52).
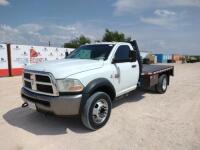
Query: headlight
point(69, 85)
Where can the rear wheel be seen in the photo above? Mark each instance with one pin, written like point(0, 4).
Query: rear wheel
point(161, 87)
point(96, 111)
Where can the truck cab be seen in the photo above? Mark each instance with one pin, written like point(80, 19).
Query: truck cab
point(87, 81)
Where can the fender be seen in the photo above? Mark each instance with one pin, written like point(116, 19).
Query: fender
point(101, 84)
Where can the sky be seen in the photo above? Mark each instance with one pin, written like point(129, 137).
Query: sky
point(160, 26)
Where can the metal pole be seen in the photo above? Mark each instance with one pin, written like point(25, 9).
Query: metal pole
point(9, 60)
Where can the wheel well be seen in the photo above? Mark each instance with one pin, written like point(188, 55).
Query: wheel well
point(105, 89)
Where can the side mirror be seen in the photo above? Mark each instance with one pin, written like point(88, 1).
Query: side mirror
point(66, 54)
point(132, 56)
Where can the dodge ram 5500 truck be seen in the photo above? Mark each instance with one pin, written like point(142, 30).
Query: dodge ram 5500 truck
point(87, 81)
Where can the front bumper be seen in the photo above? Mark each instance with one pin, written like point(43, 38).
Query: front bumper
point(59, 105)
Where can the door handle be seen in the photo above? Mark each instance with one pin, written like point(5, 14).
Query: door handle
point(133, 66)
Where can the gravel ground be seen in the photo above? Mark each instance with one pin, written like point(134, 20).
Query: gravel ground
point(142, 121)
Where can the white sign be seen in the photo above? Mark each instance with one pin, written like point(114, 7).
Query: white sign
point(23, 55)
point(3, 57)
point(19, 56)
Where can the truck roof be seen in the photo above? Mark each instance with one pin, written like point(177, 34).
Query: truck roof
point(112, 43)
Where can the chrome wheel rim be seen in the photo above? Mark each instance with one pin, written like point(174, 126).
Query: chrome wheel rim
point(164, 85)
point(100, 111)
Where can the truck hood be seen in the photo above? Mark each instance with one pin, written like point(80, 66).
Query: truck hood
point(66, 67)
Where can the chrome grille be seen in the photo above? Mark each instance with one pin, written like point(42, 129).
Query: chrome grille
point(42, 83)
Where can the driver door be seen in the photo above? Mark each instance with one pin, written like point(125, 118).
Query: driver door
point(127, 72)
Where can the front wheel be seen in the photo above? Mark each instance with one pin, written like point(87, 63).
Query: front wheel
point(96, 111)
point(161, 87)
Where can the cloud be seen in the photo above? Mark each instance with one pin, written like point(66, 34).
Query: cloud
point(159, 40)
point(7, 28)
point(29, 27)
point(39, 34)
point(195, 3)
point(4, 2)
point(157, 21)
point(164, 18)
point(126, 6)
point(164, 13)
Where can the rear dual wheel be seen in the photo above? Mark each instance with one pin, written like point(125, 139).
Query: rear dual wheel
point(161, 87)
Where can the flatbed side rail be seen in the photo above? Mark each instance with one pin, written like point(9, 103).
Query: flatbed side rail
point(160, 71)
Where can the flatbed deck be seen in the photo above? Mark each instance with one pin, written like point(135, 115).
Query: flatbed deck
point(155, 69)
point(150, 74)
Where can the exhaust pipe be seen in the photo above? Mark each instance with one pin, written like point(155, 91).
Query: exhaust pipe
point(25, 104)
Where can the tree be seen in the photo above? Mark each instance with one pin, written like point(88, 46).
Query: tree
point(116, 36)
point(77, 42)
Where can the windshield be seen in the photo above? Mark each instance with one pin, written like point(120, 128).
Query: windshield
point(96, 52)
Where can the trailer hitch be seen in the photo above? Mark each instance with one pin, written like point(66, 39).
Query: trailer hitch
point(25, 104)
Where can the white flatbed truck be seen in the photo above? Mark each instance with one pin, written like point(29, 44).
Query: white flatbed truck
point(87, 81)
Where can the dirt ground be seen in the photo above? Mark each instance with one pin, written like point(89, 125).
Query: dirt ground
point(142, 121)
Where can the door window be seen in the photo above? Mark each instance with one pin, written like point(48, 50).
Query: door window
point(122, 52)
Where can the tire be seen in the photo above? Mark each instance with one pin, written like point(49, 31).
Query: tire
point(161, 87)
point(96, 111)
